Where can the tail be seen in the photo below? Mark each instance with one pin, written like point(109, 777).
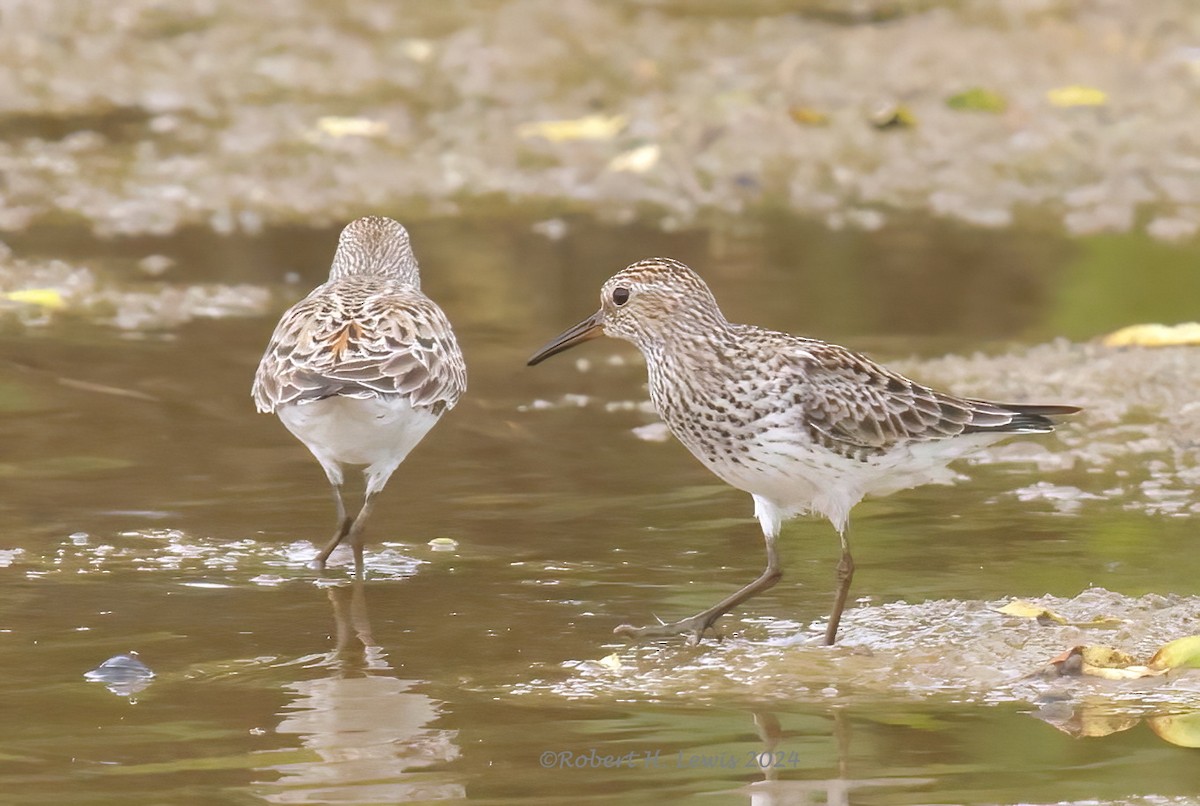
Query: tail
point(1015, 418)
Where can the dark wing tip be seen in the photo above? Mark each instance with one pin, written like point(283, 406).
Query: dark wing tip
point(1029, 418)
point(1045, 410)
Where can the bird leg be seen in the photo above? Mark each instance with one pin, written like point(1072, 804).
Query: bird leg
point(357, 531)
point(845, 573)
point(343, 528)
point(694, 626)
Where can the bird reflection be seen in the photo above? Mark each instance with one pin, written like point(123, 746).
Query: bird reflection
point(366, 731)
point(772, 791)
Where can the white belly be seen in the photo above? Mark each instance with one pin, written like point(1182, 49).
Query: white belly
point(378, 432)
point(794, 478)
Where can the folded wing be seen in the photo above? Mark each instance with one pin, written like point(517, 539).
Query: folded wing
point(857, 408)
point(393, 342)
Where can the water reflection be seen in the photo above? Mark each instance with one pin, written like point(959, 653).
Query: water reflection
point(1098, 716)
point(366, 729)
point(774, 758)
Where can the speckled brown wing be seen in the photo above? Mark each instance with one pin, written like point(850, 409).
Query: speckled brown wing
point(856, 408)
point(361, 338)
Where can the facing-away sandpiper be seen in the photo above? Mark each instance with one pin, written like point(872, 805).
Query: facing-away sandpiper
point(363, 367)
point(800, 424)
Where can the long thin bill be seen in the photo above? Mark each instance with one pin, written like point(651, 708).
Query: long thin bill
point(589, 328)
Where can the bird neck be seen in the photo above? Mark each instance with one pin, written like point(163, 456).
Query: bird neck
point(688, 350)
point(384, 260)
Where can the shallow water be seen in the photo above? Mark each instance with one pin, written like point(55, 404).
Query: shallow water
point(147, 508)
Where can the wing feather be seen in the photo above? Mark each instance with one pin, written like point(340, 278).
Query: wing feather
point(362, 337)
point(857, 408)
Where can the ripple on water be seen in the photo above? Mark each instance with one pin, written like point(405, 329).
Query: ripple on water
point(207, 561)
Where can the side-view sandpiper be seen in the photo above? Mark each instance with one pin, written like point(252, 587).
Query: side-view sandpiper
point(363, 367)
point(800, 424)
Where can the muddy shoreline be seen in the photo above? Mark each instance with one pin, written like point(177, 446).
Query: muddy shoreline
point(139, 118)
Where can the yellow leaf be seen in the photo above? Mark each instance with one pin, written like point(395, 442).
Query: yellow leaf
point(978, 99)
point(1108, 657)
point(807, 116)
point(1120, 673)
point(589, 127)
point(612, 661)
point(50, 298)
point(1182, 653)
point(1098, 660)
point(1076, 95)
point(1153, 335)
point(1024, 609)
point(1180, 729)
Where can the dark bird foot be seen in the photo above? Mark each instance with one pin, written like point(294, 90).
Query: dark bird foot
point(694, 628)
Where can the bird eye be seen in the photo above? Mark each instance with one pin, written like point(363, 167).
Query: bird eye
point(620, 296)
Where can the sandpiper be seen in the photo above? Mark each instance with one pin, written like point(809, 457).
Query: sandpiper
point(800, 424)
point(363, 367)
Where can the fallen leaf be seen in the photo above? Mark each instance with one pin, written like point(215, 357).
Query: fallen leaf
point(893, 116)
point(333, 126)
point(1179, 729)
point(1098, 660)
point(978, 99)
point(807, 116)
point(1106, 657)
point(1111, 663)
point(589, 127)
point(1076, 95)
point(1154, 335)
point(636, 160)
point(1024, 609)
point(50, 298)
point(612, 661)
point(1182, 653)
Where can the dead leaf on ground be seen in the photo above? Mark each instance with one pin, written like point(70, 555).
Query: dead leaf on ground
point(588, 127)
point(1182, 653)
point(1154, 335)
point(50, 298)
point(978, 99)
point(1076, 95)
point(1098, 660)
point(338, 127)
point(808, 116)
point(611, 662)
point(636, 160)
point(1026, 609)
point(893, 116)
